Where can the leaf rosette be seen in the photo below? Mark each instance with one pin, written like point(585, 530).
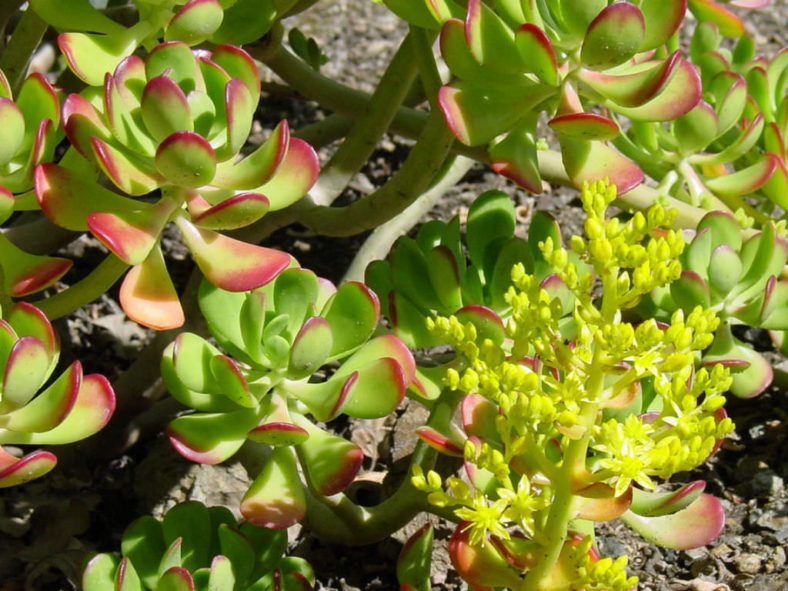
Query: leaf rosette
point(271, 386)
point(431, 275)
point(174, 125)
point(72, 407)
point(740, 280)
point(198, 548)
point(511, 61)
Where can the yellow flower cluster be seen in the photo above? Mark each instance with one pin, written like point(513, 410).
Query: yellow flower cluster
point(606, 574)
point(566, 359)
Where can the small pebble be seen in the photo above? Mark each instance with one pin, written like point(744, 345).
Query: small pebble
point(748, 564)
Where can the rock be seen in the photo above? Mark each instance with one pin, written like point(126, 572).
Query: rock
point(748, 564)
point(767, 484)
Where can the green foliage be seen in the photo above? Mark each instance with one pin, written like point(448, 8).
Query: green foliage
point(562, 424)
point(198, 548)
point(280, 338)
point(72, 407)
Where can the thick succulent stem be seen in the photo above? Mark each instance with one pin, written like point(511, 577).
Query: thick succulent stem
point(368, 129)
point(379, 243)
point(417, 172)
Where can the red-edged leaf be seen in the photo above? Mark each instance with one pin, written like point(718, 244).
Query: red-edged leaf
point(591, 161)
point(236, 212)
point(186, 159)
point(231, 264)
point(82, 122)
point(276, 498)
point(148, 296)
point(353, 313)
point(91, 56)
point(131, 236)
point(439, 441)
point(697, 525)
point(38, 101)
point(602, 504)
point(239, 109)
point(663, 18)
point(478, 417)
point(129, 173)
point(238, 64)
point(515, 158)
point(311, 347)
point(635, 88)
point(677, 97)
point(729, 24)
point(27, 320)
point(537, 52)
point(293, 177)
point(476, 116)
point(24, 274)
point(50, 407)
point(257, 168)
point(483, 566)
point(211, 438)
point(584, 126)
point(12, 129)
point(331, 462)
point(614, 36)
point(91, 412)
point(195, 22)
point(67, 199)
point(15, 471)
point(746, 180)
point(26, 368)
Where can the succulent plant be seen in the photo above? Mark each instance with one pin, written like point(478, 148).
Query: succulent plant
point(512, 61)
point(431, 275)
point(198, 548)
point(738, 279)
point(726, 20)
point(278, 340)
point(72, 407)
point(567, 424)
point(94, 44)
point(175, 123)
point(28, 136)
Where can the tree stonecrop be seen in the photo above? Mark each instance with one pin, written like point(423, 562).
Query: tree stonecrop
point(175, 124)
point(279, 338)
point(582, 373)
point(567, 423)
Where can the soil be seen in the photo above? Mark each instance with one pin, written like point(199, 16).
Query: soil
point(50, 524)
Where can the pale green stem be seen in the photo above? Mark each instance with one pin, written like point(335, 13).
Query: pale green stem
point(365, 134)
point(17, 54)
point(87, 289)
point(321, 133)
point(379, 243)
point(574, 461)
point(330, 94)
point(338, 519)
point(414, 176)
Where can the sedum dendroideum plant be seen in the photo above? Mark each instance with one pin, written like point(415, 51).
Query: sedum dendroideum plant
point(175, 123)
point(279, 338)
point(567, 425)
point(581, 374)
point(195, 548)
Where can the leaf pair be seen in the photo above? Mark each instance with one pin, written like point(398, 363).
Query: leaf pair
point(73, 407)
